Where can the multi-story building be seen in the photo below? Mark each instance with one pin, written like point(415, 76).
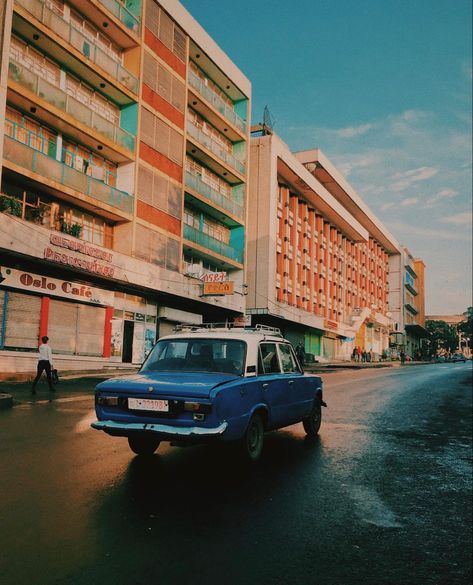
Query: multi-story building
point(407, 303)
point(318, 259)
point(124, 180)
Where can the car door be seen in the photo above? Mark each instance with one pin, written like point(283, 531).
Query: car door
point(273, 384)
point(299, 395)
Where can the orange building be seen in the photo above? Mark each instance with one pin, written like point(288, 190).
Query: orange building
point(317, 257)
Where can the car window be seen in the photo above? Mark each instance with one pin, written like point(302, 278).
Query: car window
point(268, 359)
point(287, 358)
point(197, 355)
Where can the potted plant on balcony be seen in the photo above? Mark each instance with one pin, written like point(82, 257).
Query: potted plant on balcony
point(72, 229)
point(10, 205)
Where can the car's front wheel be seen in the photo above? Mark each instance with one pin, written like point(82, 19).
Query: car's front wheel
point(143, 445)
point(253, 440)
point(314, 420)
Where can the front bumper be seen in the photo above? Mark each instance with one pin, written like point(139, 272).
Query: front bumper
point(169, 432)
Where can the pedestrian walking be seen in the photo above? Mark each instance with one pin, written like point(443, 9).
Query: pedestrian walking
point(45, 364)
point(402, 355)
point(300, 353)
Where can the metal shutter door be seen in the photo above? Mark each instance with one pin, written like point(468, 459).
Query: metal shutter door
point(62, 326)
point(23, 315)
point(90, 330)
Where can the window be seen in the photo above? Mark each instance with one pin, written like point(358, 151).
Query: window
point(167, 31)
point(269, 359)
point(287, 358)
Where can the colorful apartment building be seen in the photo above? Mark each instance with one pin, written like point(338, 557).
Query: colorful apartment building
point(123, 178)
point(407, 303)
point(318, 259)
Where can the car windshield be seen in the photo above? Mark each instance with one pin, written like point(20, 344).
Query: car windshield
point(197, 355)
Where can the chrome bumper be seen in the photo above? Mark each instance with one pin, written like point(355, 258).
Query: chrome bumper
point(124, 429)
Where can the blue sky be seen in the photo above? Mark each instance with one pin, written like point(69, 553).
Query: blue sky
point(384, 89)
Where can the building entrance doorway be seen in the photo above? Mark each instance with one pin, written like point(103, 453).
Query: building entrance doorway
point(128, 327)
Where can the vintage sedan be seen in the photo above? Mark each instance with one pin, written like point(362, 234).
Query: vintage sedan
point(211, 383)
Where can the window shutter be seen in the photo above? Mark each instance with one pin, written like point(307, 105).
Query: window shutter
point(23, 313)
point(145, 185)
point(149, 71)
point(176, 146)
point(166, 27)
point(147, 127)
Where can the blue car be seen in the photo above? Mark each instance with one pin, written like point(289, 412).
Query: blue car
point(211, 384)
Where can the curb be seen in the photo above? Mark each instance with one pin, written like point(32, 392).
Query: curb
point(6, 401)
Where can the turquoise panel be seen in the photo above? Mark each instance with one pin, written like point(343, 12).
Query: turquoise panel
point(129, 118)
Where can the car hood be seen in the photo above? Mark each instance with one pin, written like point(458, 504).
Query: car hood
point(191, 385)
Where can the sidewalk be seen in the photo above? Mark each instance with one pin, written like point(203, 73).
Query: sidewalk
point(70, 384)
point(327, 367)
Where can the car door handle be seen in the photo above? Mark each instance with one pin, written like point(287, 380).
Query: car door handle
point(291, 382)
point(265, 385)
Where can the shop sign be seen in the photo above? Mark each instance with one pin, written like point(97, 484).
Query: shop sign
point(330, 324)
point(140, 317)
point(90, 261)
point(242, 320)
point(217, 288)
point(214, 276)
point(56, 288)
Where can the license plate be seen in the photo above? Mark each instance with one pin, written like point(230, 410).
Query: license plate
point(148, 404)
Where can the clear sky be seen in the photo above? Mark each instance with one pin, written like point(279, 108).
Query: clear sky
point(383, 88)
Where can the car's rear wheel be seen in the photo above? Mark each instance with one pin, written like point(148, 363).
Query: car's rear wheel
point(314, 420)
point(253, 440)
point(143, 445)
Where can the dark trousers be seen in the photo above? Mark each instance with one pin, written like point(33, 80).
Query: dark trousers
point(43, 366)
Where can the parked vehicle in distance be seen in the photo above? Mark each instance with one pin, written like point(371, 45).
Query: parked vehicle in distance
point(457, 357)
point(208, 383)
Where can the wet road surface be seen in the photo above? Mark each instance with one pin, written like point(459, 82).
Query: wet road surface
point(382, 497)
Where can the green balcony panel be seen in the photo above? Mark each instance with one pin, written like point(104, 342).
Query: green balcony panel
point(61, 100)
point(214, 147)
point(216, 101)
point(212, 194)
point(77, 39)
point(34, 160)
point(212, 244)
point(125, 15)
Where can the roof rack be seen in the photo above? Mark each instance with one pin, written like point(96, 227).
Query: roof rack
point(264, 329)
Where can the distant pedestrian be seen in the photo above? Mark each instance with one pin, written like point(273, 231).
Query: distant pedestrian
point(358, 354)
point(354, 355)
point(45, 364)
point(402, 355)
point(300, 353)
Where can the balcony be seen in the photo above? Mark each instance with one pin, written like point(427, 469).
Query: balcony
point(80, 42)
point(61, 100)
point(52, 170)
point(193, 235)
point(118, 10)
point(216, 149)
point(212, 194)
point(216, 102)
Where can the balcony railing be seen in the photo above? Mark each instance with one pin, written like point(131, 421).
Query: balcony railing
point(82, 43)
point(68, 104)
point(119, 11)
point(33, 160)
point(216, 101)
point(226, 203)
point(215, 147)
point(212, 244)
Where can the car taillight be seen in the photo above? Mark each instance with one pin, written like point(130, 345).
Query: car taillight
point(196, 407)
point(107, 400)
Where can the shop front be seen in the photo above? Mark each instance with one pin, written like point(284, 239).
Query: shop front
point(75, 316)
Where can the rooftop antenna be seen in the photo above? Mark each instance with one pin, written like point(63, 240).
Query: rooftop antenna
point(266, 127)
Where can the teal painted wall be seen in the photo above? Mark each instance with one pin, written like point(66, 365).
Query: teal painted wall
point(129, 118)
point(134, 6)
point(239, 150)
point(238, 193)
point(241, 108)
point(237, 238)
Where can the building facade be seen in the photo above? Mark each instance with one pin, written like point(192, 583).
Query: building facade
point(318, 259)
point(407, 304)
point(124, 179)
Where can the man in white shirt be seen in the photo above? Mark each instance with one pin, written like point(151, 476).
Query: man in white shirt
point(45, 364)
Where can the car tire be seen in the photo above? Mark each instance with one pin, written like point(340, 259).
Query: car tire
point(143, 445)
point(252, 443)
point(314, 420)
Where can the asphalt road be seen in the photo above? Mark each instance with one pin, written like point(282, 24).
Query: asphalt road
point(382, 497)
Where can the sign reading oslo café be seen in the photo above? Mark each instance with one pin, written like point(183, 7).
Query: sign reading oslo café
point(28, 281)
